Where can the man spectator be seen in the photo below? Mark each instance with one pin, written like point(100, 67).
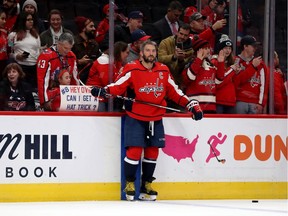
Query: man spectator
point(213, 11)
point(176, 51)
point(11, 9)
point(252, 81)
point(170, 23)
point(138, 37)
point(50, 62)
point(103, 26)
point(85, 47)
point(210, 34)
point(122, 32)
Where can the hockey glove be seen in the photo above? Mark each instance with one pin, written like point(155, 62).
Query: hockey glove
point(99, 92)
point(194, 107)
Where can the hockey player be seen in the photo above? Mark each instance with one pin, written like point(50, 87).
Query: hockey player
point(150, 82)
point(50, 62)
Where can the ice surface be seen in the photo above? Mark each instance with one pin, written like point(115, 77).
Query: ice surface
point(139, 208)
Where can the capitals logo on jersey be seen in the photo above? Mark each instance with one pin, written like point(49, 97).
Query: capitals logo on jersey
point(208, 81)
point(255, 80)
point(157, 87)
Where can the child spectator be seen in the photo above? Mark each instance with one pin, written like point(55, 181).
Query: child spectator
point(15, 93)
point(62, 77)
point(199, 77)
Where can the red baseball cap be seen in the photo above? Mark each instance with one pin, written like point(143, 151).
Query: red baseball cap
point(106, 8)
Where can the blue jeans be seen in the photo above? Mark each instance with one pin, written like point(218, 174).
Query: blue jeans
point(248, 108)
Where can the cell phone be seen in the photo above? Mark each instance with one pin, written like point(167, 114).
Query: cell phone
point(179, 45)
point(93, 56)
point(25, 54)
point(226, 16)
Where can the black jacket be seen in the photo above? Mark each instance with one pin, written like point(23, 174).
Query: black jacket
point(19, 99)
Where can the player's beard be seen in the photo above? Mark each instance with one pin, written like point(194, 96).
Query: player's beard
point(149, 59)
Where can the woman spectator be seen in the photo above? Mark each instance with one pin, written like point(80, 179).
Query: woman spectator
point(15, 93)
point(3, 41)
point(225, 90)
point(30, 6)
point(52, 34)
point(99, 72)
point(24, 41)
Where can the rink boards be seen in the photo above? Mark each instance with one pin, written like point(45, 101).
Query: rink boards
point(77, 156)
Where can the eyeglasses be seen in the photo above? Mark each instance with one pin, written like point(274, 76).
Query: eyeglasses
point(29, 19)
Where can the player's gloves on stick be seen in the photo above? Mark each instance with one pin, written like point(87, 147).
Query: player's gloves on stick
point(194, 107)
point(99, 92)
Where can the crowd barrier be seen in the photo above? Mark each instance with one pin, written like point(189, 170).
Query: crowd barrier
point(70, 156)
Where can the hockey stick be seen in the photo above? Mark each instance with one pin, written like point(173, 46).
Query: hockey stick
point(138, 101)
point(219, 160)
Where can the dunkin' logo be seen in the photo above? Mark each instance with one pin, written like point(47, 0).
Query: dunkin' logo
point(262, 148)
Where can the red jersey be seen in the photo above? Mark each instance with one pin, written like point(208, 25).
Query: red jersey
point(211, 16)
point(10, 22)
point(54, 95)
point(3, 45)
point(50, 63)
point(251, 83)
point(280, 93)
point(99, 72)
point(225, 89)
point(102, 29)
point(148, 85)
point(199, 80)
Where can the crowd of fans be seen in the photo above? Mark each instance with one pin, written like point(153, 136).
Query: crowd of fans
point(192, 42)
